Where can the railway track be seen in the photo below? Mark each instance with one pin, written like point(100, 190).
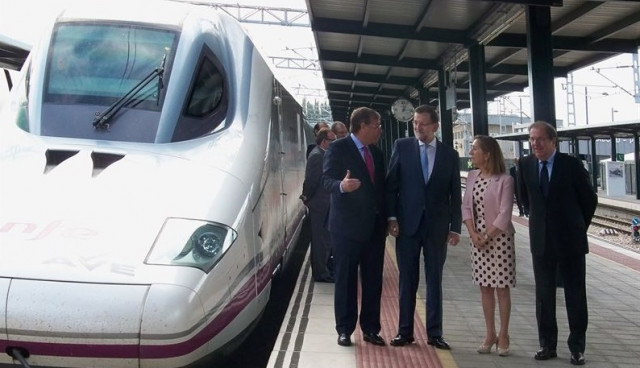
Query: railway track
point(613, 224)
point(606, 222)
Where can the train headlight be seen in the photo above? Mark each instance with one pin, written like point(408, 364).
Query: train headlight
point(192, 243)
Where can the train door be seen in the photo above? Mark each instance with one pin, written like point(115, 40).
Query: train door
point(278, 211)
point(293, 165)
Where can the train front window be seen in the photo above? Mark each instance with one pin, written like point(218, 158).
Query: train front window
point(101, 81)
point(99, 63)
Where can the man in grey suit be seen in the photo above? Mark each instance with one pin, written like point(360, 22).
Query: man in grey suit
point(423, 210)
point(316, 198)
point(557, 190)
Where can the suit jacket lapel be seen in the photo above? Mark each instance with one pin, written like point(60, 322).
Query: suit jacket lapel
point(414, 151)
point(553, 179)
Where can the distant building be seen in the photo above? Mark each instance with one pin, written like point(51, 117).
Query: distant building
point(498, 124)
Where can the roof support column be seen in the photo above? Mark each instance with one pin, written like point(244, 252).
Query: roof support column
point(520, 148)
point(417, 101)
point(478, 90)
point(636, 151)
point(386, 142)
point(540, 54)
point(595, 168)
point(394, 133)
point(613, 148)
point(446, 117)
point(423, 96)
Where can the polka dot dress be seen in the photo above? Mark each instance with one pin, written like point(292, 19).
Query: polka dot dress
point(494, 266)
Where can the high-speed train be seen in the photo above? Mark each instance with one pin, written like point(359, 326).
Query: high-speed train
point(150, 167)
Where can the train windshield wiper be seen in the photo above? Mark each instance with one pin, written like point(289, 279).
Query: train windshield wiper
point(101, 121)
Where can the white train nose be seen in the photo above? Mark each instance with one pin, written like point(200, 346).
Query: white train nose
point(98, 324)
point(92, 321)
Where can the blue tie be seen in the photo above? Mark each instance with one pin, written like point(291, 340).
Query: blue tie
point(544, 179)
point(424, 160)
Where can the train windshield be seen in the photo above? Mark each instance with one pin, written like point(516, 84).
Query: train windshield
point(100, 63)
point(92, 67)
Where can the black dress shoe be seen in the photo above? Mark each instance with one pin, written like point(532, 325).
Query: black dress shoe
point(344, 340)
point(401, 340)
point(439, 343)
point(545, 354)
point(328, 279)
point(577, 358)
point(374, 338)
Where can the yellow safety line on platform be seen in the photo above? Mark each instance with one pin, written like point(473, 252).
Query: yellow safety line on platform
point(445, 356)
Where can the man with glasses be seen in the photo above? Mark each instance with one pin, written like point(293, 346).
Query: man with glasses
point(557, 190)
point(424, 212)
point(354, 173)
point(317, 200)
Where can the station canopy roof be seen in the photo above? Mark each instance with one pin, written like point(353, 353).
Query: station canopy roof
point(373, 52)
point(622, 129)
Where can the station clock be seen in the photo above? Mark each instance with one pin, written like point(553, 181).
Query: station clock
point(402, 110)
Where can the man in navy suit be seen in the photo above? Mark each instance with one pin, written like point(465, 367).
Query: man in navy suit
point(354, 173)
point(424, 213)
point(561, 201)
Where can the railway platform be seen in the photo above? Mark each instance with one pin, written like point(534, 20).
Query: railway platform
point(307, 338)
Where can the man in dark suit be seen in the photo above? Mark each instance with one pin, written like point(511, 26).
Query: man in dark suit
point(316, 198)
point(316, 129)
point(423, 208)
point(354, 173)
point(557, 190)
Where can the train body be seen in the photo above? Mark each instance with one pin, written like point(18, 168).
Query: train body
point(150, 166)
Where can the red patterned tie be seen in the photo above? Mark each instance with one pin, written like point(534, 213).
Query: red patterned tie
point(368, 160)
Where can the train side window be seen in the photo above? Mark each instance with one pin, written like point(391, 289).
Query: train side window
point(207, 103)
point(207, 91)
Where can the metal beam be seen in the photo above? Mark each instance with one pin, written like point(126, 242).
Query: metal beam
point(261, 14)
point(387, 30)
point(614, 27)
point(504, 56)
point(581, 64)
point(574, 15)
point(295, 63)
point(373, 59)
point(365, 77)
point(612, 45)
point(535, 2)
point(363, 89)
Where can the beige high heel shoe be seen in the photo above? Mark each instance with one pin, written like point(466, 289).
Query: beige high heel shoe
point(486, 348)
point(503, 352)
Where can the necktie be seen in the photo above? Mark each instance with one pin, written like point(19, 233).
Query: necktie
point(544, 179)
point(368, 160)
point(424, 160)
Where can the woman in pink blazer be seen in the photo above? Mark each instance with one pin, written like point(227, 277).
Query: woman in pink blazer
point(486, 211)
